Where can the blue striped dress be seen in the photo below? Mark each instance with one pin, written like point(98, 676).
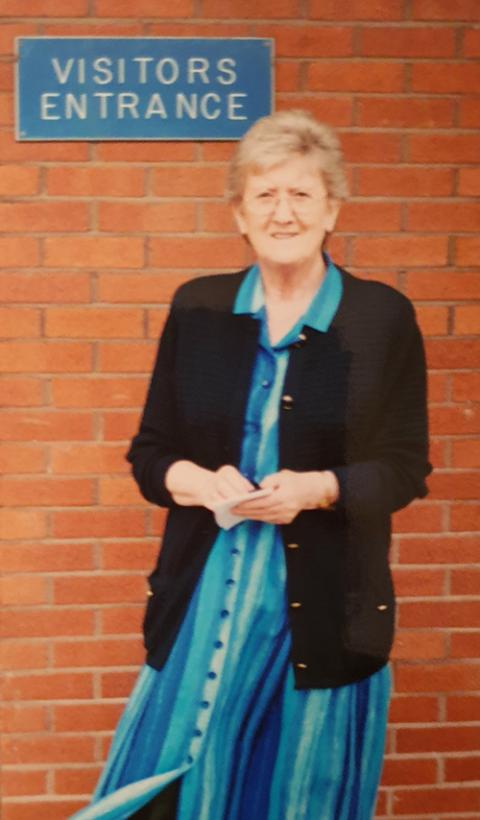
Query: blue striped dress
point(223, 713)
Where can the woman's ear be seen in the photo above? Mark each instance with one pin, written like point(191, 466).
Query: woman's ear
point(333, 208)
point(239, 218)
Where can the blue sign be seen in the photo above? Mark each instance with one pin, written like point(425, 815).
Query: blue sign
point(153, 88)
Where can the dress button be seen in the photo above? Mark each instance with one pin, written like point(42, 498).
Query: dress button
point(230, 582)
point(301, 666)
point(205, 704)
point(218, 644)
point(295, 605)
point(265, 384)
point(224, 613)
point(287, 402)
point(189, 759)
point(198, 733)
point(235, 551)
point(212, 675)
point(293, 546)
point(382, 607)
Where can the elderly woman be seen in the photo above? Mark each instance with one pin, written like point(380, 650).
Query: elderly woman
point(293, 394)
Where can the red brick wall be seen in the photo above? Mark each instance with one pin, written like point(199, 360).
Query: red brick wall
point(95, 237)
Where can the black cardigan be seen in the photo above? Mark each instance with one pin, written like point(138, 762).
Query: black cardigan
point(354, 402)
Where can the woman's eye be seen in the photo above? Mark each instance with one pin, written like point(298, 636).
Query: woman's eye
point(301, 194)
point(264, 195)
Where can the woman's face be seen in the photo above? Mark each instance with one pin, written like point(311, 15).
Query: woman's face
point(285, 212)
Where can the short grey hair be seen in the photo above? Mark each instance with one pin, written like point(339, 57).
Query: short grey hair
point(276, 138)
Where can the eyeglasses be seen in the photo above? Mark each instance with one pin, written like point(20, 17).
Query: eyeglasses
point(301, 203)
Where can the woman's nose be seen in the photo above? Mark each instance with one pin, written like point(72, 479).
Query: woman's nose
point(283, 210)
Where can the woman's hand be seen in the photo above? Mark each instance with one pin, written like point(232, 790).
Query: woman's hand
point(291, 492)
point(191, 485)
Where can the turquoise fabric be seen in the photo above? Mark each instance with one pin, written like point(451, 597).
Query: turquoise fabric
point(223, 713)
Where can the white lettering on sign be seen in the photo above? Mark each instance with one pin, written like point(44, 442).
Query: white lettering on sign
point(104, 70)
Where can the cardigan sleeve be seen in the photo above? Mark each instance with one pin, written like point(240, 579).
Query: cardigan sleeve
point(156, 446)
point(395, 474)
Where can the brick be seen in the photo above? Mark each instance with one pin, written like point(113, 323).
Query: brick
point(338, 111)
point(155, 322)
point(95, 589)
point(202, 29)
point(440, 549)
point(54, 808)
point(48, 749)
point(287, 76)
point(149, 288)
point(356, 10)
point(45, 425)
point(445, 78)
point(21, 524)
point(309, 40)
point(16, 655)
point(120, 426)
point(415, 644)
point(94, 251)
point(465, 644)
point(143, 8)
point(20, 590)
point(469, 112)
point(44, 217)
point(98, 392)
point(46, 357)
point(462, 768)
point(442, 285)
point(98, 523)
point(408, 772)
point(355, 76)
point(95, 182)
point(23, 783)
point(77, 781)
point(419, 517)
point(42, 8)
point(196, 252)
point(129, 554)
point(467, 250)
point(89, 459)
point(249, 9)
point(413, 708)
point(217, 216)
point(117, 684)
point(466, 386)
point(19, 717)
point(433, 321)
point(126, 357)
point(439, 455)
point(455, 484)
point(18, 180)
point(466, 453)
point(443, 216)
point(103, 652)
point(471, 42)
point(405, 112)
point(444, 148)
point(22, 458)
point(369, 216)
point(36, 623)
point(453, 353)
point(444, 613)
point(419, 582)
point(437, 799)
point(216, 151)
point(8, 33)
point(13, 151)
point(123, 620)
point(467, 320)
point(40, 492)
point(469, 181)
point(188, 181)
point(444, 10)
point(89, 28)
point(21, 392)
point(435, 678)
point(395, 251)
point(465, 517)
point(438, 384)
point(18, 322)
point(44, 287)
point(465, 581)
point(118, 492)
point(394, 41)
point(463, 707)
point(404, 182)
point(6, 114)
point(94, 323)
point(145, 152)
point(21, 252)
point(171, 217)
point(48, 686)
point(42, 557)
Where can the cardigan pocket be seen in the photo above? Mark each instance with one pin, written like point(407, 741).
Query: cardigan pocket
point(370, 623)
